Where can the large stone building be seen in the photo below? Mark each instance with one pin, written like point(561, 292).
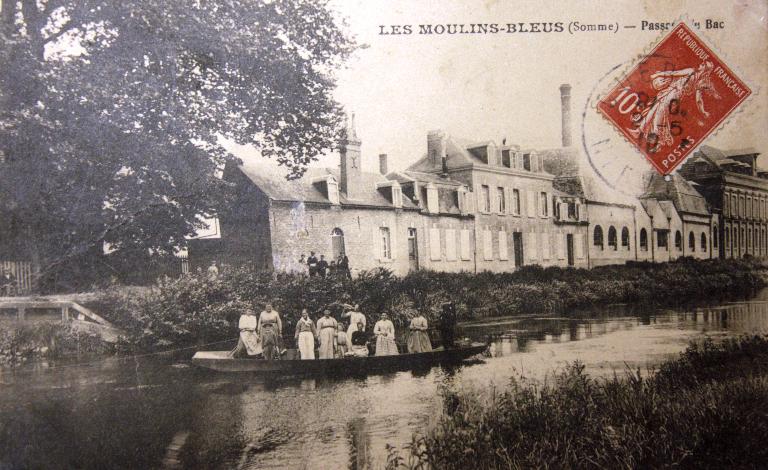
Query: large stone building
point(736, 189)
point(477, 206)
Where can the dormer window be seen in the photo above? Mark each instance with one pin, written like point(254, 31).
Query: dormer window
point(527, 161)
point(432, 202)
point(333, 190)
point(506, 158)
point(397, 195)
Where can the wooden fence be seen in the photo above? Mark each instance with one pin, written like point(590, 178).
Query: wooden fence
point(21, 277)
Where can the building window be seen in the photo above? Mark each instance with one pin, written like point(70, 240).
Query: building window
point(598, 237)
point(502, 200)
point(703, 241)
point(485, 193)
point(643, 239)
point(662, 236)
point(734, 205)
point(571, 210)
point(386, 244)
point(743, 208)
point(516, 201)
point(505, 160)
point(678, 240)
point(714, 236)
point(749, 207)
point(625, 237)
point(725, 237)
point(691, 242)
point(612, 242)
point(543, 204)
point(527, 161)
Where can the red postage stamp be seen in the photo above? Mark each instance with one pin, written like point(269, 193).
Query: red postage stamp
point(673, 99)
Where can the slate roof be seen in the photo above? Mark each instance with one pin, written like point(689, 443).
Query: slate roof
point(270, 178)
point(678, 191)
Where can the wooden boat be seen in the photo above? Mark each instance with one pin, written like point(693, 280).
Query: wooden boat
point(223, 362)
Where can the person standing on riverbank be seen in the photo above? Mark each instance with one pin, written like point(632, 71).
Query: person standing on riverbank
point(248, 341)
point(326, 330)
point(312, 264)
point(305, 336)
point(385, 336)
point(270, 329)
point(418, 339)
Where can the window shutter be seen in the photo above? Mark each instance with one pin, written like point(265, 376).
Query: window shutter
point(530, 203)
point(377, 243)
point(487, 245)
point(493, 199)
point(503, 255)
point(434, 244)
point(450, 244)
point(508, 201)
point(578, 241)
point(561, 242)
point(530, 247)
point(465, 247)
point(545, 244)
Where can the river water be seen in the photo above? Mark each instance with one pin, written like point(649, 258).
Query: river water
point(153, 413)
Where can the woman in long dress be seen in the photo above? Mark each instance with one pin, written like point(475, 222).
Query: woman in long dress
point(326, 331)
point(342, 341)
point(418, 340)
point(385, 336)
point(270, 329)
point(355, 318)
point(305, 336)
point(248, 342)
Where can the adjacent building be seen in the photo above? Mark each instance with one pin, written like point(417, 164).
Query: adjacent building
point(488, 206)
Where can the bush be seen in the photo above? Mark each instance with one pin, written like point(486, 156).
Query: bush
point(196, 309)
point(708, 409)
point(21, 342)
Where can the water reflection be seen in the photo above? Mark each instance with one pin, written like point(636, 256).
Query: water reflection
point(145, 414)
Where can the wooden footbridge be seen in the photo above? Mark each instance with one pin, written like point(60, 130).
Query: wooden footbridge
point(81, 318)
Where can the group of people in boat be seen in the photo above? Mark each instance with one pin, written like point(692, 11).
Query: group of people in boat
point(262, 335)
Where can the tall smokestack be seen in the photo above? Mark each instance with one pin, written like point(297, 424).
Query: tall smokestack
point(383, 163)
point(565, 108)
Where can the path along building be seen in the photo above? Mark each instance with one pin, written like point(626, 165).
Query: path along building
point(477, 206)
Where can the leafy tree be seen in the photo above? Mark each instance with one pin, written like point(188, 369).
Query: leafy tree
point(113, 114)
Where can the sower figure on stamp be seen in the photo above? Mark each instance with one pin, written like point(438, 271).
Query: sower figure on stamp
point(654, 123)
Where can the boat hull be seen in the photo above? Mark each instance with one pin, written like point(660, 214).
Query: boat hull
point(222, 362)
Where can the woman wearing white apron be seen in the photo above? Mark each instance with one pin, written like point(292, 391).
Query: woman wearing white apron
point(305, 336)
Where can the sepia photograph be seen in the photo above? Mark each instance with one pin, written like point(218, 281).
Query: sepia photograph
point(383, 234)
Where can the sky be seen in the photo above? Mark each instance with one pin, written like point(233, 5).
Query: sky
point(489, 87)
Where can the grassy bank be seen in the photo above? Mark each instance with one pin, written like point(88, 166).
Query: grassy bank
point(197, 309)
point(707, 409)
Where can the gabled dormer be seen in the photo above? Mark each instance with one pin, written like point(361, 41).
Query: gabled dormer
point(392, 191)
point(328, 185)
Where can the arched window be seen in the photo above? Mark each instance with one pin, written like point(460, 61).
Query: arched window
point(612, 241)
point(703, 241)
point(643, 239)
point(715, 236)
point(678, 240)
point(625, 237)
point(598, 238)
point(691, 242)
point(337, 243)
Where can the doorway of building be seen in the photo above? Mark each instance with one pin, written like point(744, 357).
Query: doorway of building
point(517, 241)
point(337, 243)
point(413, 250)
point(569, 248)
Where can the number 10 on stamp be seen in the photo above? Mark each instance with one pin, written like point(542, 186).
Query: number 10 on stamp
point(673, 99)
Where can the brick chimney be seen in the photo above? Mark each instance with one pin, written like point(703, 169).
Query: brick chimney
point(383, 163)
point(436, 148)
point(565, 108)
point(349, 149)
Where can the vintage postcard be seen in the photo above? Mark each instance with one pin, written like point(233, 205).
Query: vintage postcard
point(383, 234)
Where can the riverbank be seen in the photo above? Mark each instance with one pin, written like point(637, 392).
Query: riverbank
point(706, 409)
point(199, 309)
